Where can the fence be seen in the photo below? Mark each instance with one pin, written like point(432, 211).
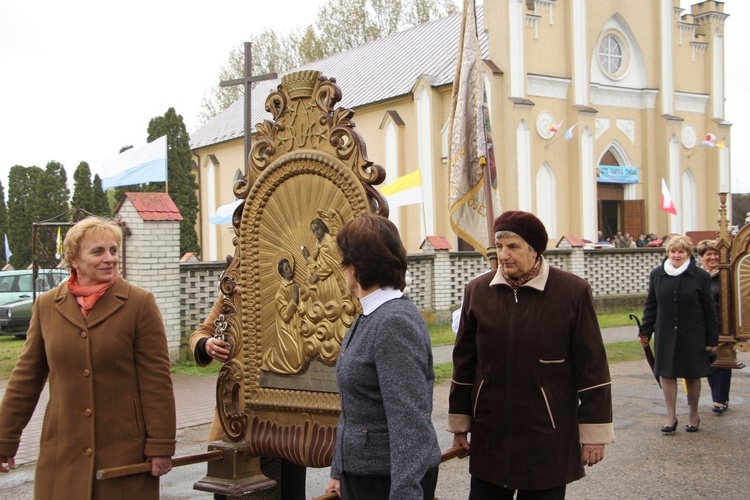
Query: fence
point(618, 277)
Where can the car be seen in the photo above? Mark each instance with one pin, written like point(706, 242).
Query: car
point(15, 313)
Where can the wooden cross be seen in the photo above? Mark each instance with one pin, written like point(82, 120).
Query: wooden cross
point(247, 81)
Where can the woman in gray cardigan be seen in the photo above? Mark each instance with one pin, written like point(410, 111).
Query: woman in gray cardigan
point(386, 445)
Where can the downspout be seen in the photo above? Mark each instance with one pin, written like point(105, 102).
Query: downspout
point(200, 202)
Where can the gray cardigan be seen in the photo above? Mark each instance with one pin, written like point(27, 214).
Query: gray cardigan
point(385, 378)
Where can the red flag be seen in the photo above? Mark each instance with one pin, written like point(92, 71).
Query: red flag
point(667, 204)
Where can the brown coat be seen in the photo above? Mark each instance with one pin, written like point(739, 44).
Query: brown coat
point(111, 401)
point(206, 331)
point(530, 379)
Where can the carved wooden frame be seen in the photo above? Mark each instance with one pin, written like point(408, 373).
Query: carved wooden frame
point(308, 159)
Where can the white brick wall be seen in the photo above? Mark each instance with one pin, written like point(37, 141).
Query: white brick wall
point(152, 262)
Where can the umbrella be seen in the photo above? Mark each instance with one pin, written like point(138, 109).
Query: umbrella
point(647, 350)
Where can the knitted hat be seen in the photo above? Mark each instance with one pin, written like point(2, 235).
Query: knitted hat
point(526, 225)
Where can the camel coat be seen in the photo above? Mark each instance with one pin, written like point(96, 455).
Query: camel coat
point(111, 401)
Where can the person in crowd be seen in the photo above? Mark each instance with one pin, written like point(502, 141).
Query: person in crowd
point(531, 383)
point(619, 240)
point(101, 343)
point(720, 379)
point(642, 241)
point(207, 348)
point(681, 311)
point(627, 241)
point(386, 446)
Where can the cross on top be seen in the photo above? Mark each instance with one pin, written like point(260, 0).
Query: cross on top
point(247, 81)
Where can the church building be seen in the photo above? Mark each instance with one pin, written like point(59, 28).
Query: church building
point(593, 104)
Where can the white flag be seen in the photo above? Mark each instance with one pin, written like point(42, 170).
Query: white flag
point(137, 166)
point(8, 253)
point(224, 213)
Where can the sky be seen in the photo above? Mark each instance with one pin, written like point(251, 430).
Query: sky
point(82, 78)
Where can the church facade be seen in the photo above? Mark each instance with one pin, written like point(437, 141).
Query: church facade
point(592, 104)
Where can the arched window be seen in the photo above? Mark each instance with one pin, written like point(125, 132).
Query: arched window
point(546, 199)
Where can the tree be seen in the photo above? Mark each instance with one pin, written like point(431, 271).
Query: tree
point(3, 221)
point(101, 203)
point(83, 192)
point(51, 196)
point(338, 26)
point(22, 183)
point(182, 185)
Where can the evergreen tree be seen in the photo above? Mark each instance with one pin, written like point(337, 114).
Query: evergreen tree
point(22, 183)
point(3, 223)
point(101, 204)
point(51, 194)
point(83, 192)
point(182, 185)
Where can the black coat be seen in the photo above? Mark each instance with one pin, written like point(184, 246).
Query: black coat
point(682, 312)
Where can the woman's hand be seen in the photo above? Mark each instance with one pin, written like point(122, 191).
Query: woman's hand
point(334, 486)
point(7, 460)
point(643, 340)
point(460, 439)
point(592, 454)
point(160, 465)
point(217, 349)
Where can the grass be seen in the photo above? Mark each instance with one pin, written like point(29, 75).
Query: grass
point(10, 349)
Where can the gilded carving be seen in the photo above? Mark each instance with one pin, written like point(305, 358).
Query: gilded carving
point(287, 302)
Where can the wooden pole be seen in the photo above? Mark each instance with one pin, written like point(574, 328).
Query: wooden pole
point(129, 470)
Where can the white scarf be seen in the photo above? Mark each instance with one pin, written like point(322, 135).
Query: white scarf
point(675, 271)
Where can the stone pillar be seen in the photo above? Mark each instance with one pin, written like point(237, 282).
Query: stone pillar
point(152, 260)
point(442, 277)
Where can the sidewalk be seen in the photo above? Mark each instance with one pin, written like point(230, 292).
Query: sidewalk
point(643, 463)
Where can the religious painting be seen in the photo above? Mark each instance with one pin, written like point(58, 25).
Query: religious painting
point(308, 173)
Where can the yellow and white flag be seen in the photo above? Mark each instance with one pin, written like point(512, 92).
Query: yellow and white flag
point(59, 246)
point(405, 190)
point(470, 143)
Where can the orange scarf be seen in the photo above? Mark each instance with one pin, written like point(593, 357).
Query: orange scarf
point(87, 296)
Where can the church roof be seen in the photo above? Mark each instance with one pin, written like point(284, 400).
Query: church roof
point(377, 71)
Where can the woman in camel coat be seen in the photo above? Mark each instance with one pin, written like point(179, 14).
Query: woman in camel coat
point(100, 342)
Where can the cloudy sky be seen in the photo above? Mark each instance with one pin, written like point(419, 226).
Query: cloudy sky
point(82, 78)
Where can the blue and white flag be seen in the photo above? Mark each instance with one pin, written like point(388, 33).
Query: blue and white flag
point(8, 253)
point(137, 166)
point(224, 213)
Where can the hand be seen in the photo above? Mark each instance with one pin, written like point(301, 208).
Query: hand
point(295, 294)
point(160, 465)
point(313, 278)
point(460, 439)
point(643, 340)
point(334, 486)
point(592, 454)
point(217, 349)
point(305, 253)
point(7, 460)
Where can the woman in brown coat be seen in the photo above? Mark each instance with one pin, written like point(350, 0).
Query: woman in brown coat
point(100, 342)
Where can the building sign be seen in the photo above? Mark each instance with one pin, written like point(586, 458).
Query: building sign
point(616, 174)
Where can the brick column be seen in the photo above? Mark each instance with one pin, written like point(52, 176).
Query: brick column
point(152, 261)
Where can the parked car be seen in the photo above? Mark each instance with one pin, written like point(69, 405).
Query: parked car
point(16, 297)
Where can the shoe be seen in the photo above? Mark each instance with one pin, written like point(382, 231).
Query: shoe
point(720, 409)
point(668, 430)
point(693, 428)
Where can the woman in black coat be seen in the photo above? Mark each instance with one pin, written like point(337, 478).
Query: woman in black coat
point(682, 312)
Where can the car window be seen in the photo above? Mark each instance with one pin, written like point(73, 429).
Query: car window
point(24, 283)
point(6, 283)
